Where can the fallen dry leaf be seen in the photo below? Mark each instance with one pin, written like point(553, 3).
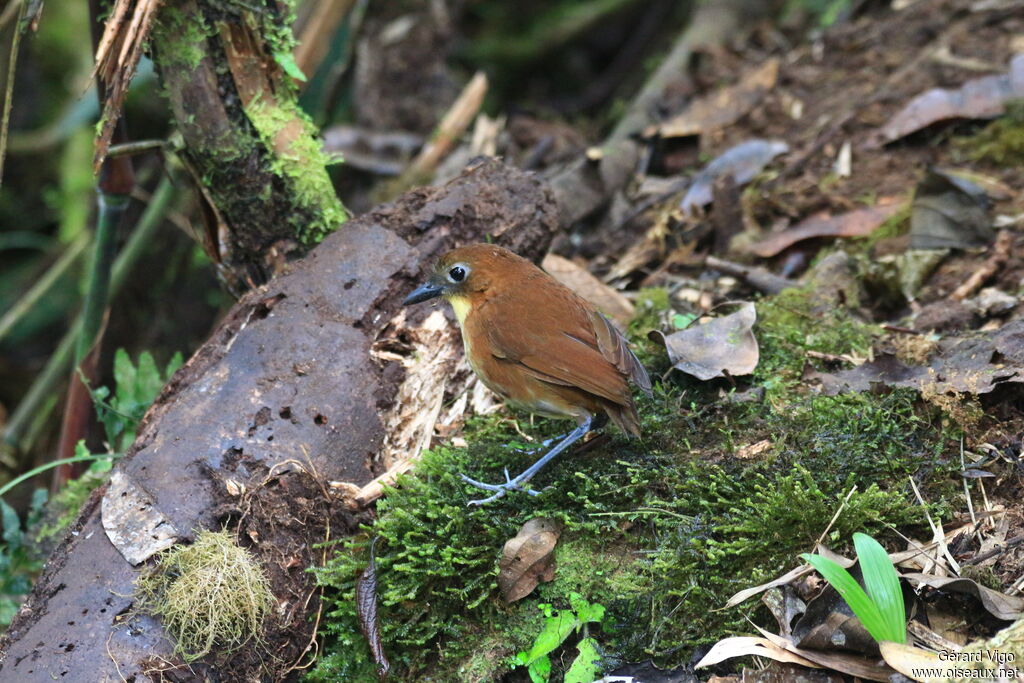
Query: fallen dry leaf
point(742, 162)
point(949, 212)
point(999, 605)
point(854, 665)
point(366, 607)
point(978, 98)
point(910, 661)
point(528, 558)
point(857, 223)
point(722, 107)
point(750, 646)
point(973, 365)
point(724, 345)
point(609, 301)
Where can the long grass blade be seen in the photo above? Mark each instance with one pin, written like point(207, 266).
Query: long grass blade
point(851, 592)
point(883, 586)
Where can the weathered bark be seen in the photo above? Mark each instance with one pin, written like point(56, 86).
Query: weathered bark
point(252, 152)
point(285, 396)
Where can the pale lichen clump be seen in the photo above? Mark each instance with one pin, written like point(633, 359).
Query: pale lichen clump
point(211, 594)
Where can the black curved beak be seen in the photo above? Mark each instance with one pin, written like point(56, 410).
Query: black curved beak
point(424, 292)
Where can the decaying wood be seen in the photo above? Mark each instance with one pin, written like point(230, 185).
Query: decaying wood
point(291, 391)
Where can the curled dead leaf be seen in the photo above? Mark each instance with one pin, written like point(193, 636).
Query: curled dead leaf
point(366, 607)
point(978, 98)
point(742, 162)
point(528, 558)
point(857, 223)
point(726, 345)
point(999, 605)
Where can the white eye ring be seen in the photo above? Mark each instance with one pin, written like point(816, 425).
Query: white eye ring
point(458, 273)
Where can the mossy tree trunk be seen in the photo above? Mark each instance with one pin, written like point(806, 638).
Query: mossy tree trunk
point(228, 74)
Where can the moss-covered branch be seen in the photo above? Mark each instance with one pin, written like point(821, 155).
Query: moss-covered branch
point(250, 147)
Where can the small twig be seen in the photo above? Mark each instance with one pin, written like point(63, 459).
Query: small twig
point(137, 147)
point(758, 278)
point(1000, 255)
point(998, 550)
point(43, 285)
point(940, 538)
point(453, 124)
point(835, 517)
point(12, 61)
point(967, 494)
point(901, 330)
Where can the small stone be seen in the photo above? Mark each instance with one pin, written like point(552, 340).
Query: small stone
point(991, 301)
point(944, 316)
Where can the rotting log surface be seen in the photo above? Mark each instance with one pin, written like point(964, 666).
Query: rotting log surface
point(284, 387)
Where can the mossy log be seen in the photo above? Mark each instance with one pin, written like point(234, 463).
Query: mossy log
point(253, 153)
point(287, 395)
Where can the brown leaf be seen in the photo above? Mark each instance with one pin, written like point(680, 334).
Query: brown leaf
point(949, 212)
point(366, 608)
point(609, 301)
point(722, 107)
point(854, 665)
point(724, 345)
point(974, 365)
point(999, 605)
point(978, 98)
point(528, 558)
point(742, 162)
point(851, 224)
point(910, 661)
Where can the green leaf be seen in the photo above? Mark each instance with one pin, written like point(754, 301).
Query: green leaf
point(588, 612)
point(12, 525)
point(681, 321)
point(148, 382)
point(286, 60)
point(556, 630)
point(124, 376)
point(852, 593)
point(35, 508)
point(585, 667)
point(883, 586)
point(540, 669)
point(172, 367)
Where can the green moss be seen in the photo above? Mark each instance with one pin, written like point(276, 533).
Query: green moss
point(181, 36)
point(302, 165)
point(789, 325)
point(210, 596)
point(895, 225)
point(1001, 142)
point(661, 531)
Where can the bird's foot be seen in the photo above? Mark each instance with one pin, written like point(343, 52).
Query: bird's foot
point(500, 490)
point(542, 446)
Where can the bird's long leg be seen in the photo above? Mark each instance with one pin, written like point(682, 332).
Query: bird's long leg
point(541, 446)
point(517, 483)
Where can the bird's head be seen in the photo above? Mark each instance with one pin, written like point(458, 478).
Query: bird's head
point(460, 273)
point(464, 274)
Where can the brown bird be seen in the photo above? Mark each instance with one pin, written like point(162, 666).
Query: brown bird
point(537, 344)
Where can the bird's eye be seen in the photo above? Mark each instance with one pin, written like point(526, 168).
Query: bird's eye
point(457, 274)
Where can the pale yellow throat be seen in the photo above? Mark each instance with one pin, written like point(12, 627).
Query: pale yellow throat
point(460, 305)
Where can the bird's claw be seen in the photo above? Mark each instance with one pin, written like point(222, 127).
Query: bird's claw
point(500, 489)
